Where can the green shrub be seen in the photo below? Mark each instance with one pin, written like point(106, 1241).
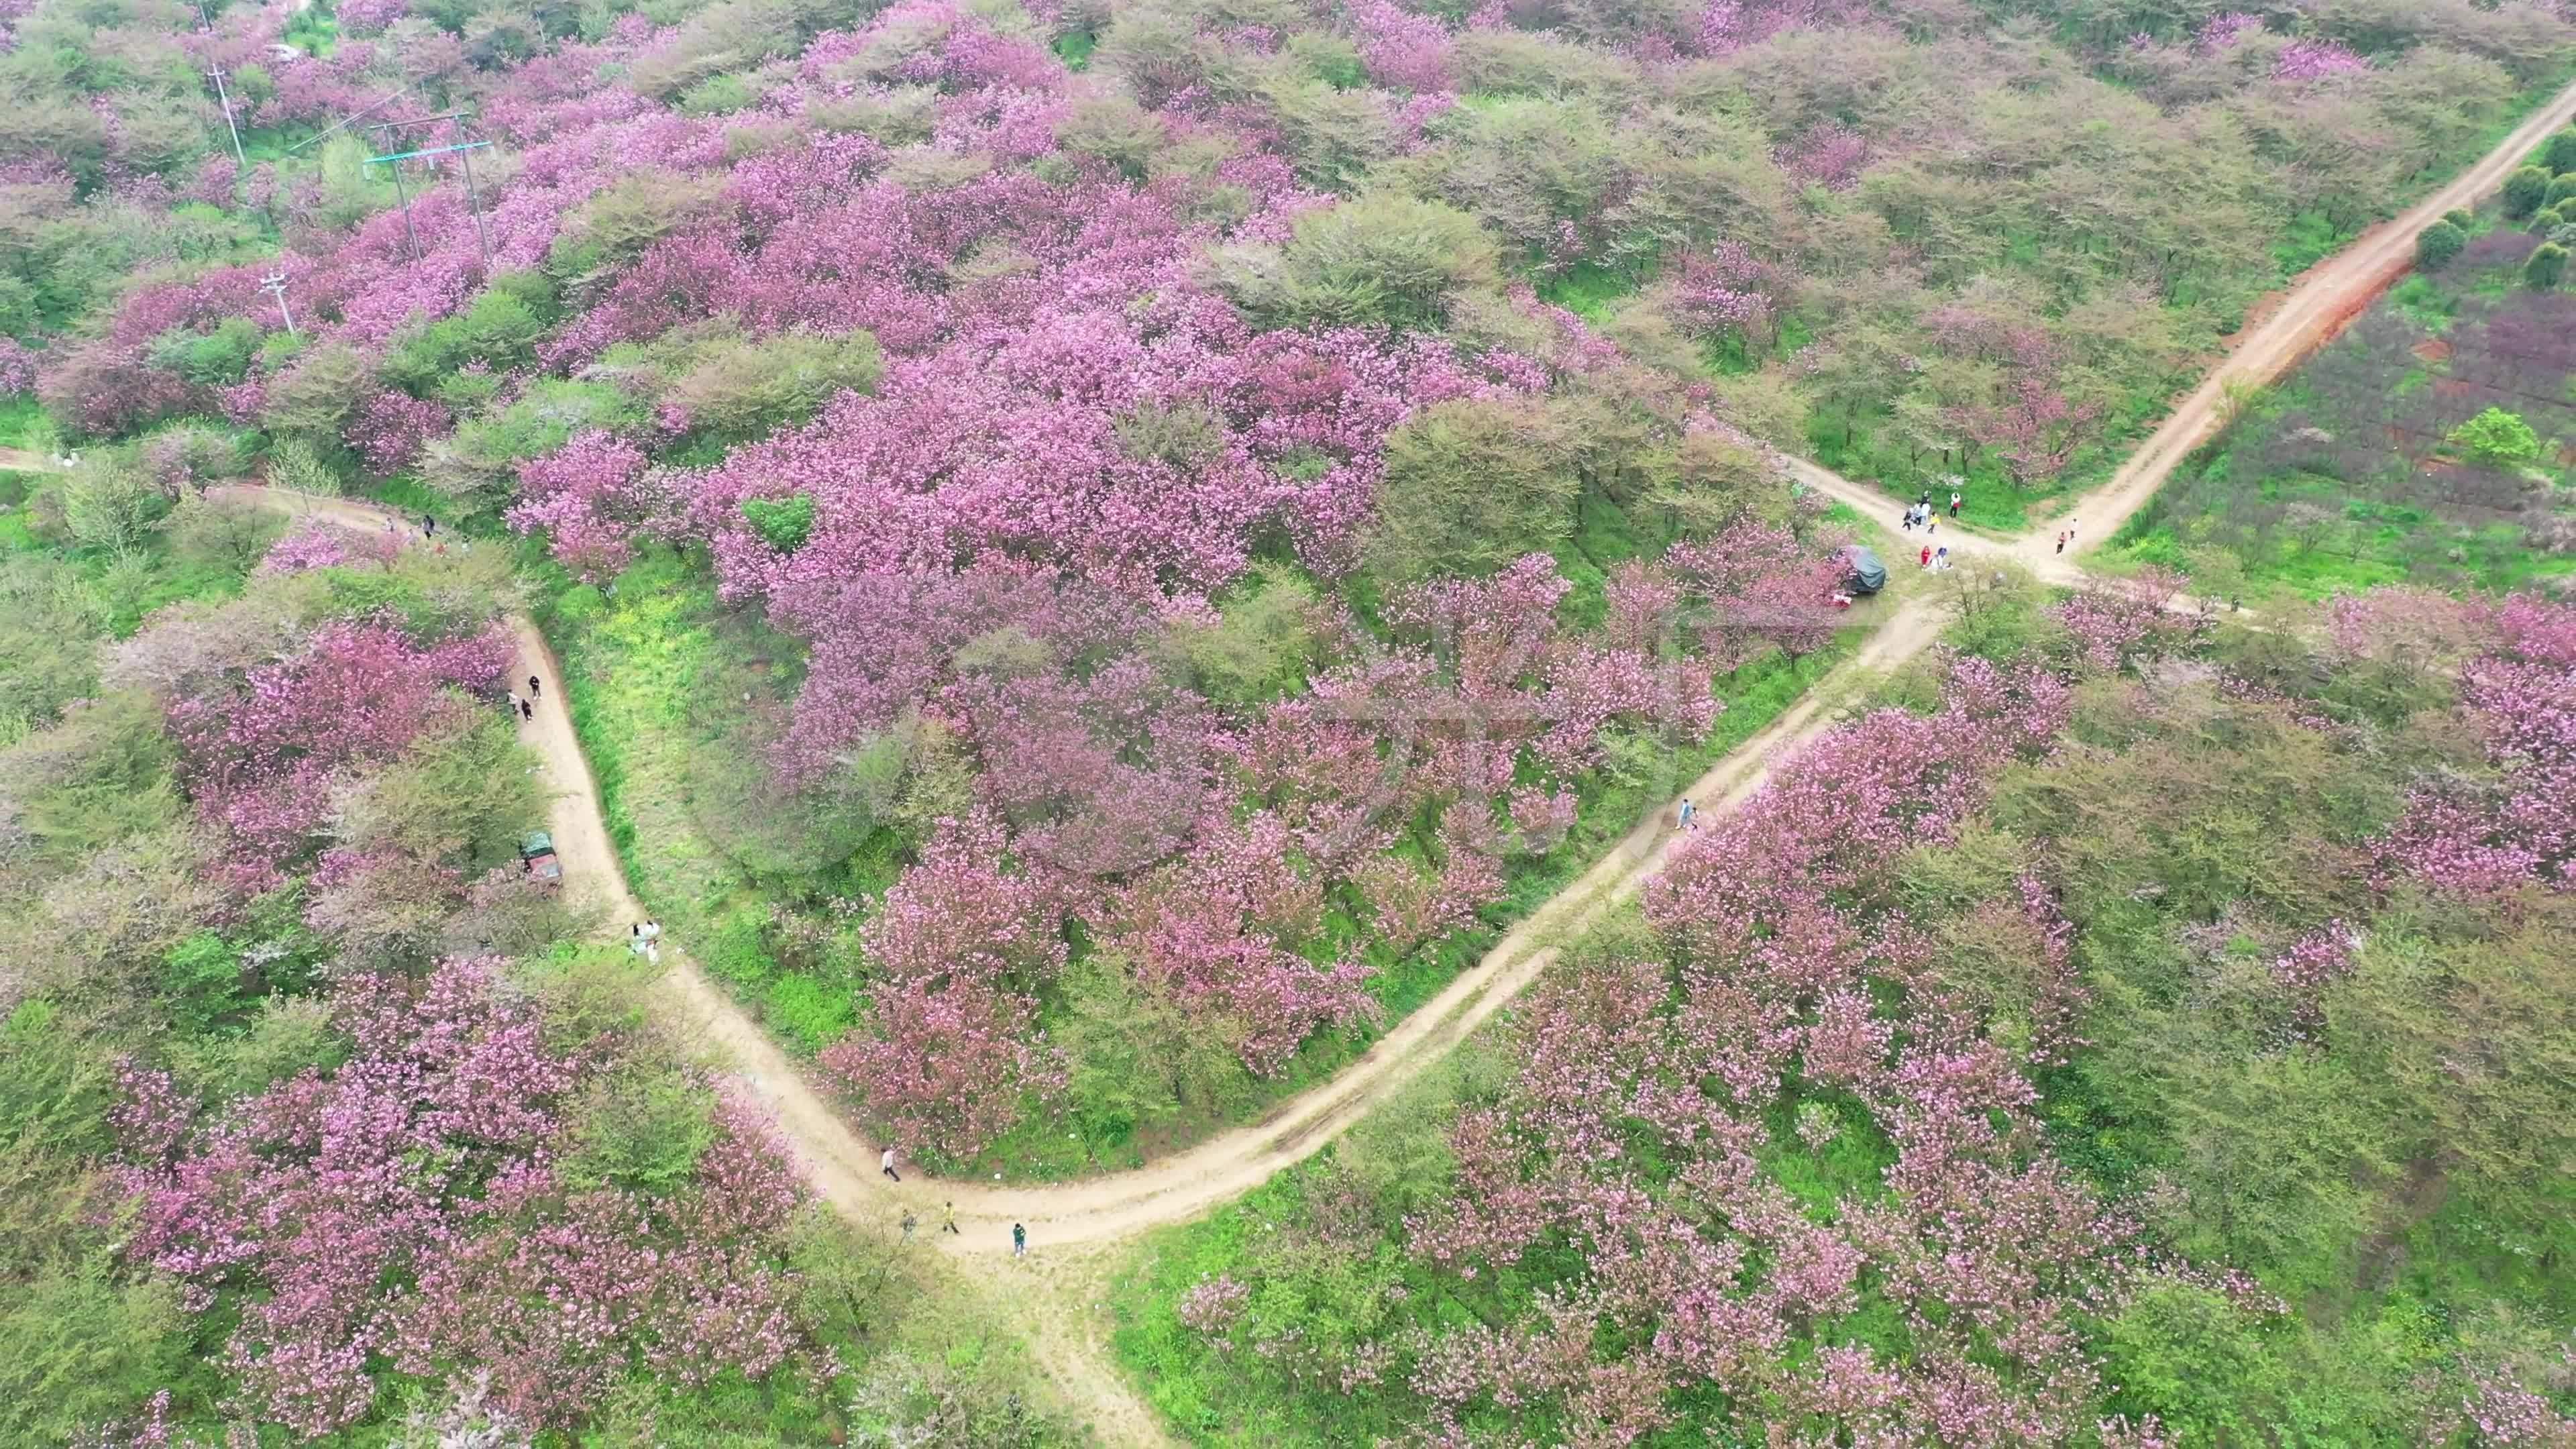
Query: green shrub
point(784, 524)
point(810, 1012)
point(2546, 267)
point(640, 1130)
point(2559, 156)
point(746, 388)
point(1470, 486)
point(2435, 245)
point(736, 952)
point(2497, 438)
point(1385, 259)
point(207, 359)
point(718, 95)
point(2524, 190)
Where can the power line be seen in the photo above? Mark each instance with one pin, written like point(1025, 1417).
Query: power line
point(463, 151)
point(344, 124)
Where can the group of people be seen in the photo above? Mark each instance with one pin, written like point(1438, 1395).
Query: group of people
point(645, 940)
point(527, 708)
point(1920, 515)
point(948, 1223)
point(947, 1213)
point(2066, 535)
point(1936, 559)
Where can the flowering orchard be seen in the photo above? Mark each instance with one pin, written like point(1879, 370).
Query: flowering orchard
point(409, 1209)
point(1809, 1149)
point(1211, 854)
point(985, 375)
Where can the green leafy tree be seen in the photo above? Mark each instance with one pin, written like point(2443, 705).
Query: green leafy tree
point(79, 1346)
point(1384, 259)
point(461, 796)
point(1470, 486)
point(744, 389)
point(2559, 156)
point(718, 95)
point(2194, 1360)
point(1261, 646)
point(1115, 130)
point(314, 401)
point(2498, 439)
point(2470, 1034)
point(1134, 1057)
point(2435, 245)
point(500, 331)
point(110, 504)
point(2561, 189)
point(2524, 190)
point(50, 621)
point(641, 1130)
point(2546, 267)
point(1714, 480)
point(207, 359)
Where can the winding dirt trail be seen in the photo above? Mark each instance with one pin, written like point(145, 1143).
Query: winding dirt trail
point(1055, 1293)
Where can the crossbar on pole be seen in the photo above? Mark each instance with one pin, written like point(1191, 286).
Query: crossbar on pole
point(432, 151)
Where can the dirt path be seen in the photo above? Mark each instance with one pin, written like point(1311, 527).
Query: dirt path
point(1055, 1295)
point(2325, 297)
point(844, 1165)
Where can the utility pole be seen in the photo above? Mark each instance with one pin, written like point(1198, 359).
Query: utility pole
point(474, 208)
point(226, 101)
point(275, 285)
point(463, 152)
point(393, 162)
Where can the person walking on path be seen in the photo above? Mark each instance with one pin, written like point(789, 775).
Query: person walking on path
point(1905, 521)
point(1688, 816)
point(1019, 1240)
point(1954, 505)
point(948, 1218)
point(635, 941)
point(885, 1161)
point(428, 526)
point(909, 1223)
point(527, 711)
point(2061, 543)
point(653, 942)
point(535, 689)
point(1927, 555)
